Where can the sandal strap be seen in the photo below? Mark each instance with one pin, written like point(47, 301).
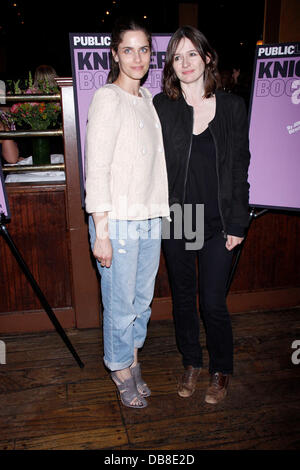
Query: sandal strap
point(128, 392)
point(140, 383)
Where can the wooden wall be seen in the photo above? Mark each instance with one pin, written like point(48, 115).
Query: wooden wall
point(282, 21)
point(39, 230)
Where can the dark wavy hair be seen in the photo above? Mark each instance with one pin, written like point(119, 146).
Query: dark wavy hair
point(171, 84)
point(121, 26)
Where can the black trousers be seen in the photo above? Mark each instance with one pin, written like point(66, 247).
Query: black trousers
point(214, 262)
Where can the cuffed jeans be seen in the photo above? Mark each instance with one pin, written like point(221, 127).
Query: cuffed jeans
point(127, 287)
point(214, 262)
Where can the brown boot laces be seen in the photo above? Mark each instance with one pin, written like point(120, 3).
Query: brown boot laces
point(214, 386)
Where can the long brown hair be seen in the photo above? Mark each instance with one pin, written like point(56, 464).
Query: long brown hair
point(43, 74)
point(121, 26)
point(171, 84)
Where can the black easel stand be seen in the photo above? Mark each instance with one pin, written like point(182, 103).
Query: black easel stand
point(239, 248)
point(38, 291)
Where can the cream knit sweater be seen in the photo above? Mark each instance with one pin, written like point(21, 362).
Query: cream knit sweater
point(125, 163)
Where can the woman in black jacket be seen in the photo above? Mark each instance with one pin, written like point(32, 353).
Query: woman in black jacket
point(207, 152)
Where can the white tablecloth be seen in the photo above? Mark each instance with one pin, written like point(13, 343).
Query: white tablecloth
point(36, 176)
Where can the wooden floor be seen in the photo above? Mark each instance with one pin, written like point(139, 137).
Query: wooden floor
point(47, 402)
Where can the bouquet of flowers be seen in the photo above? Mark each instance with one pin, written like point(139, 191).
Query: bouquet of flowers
point(35, 115)
point(38, 116)
point(27, 87)
point(6, 122)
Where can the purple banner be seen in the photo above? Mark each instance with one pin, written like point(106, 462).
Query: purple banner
point(90, 54)
point(4, 208)
point(275, 127)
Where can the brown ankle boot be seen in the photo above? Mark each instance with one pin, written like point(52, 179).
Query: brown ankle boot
point(217, 388)
point(188, 382)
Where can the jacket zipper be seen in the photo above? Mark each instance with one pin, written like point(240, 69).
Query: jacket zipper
point(188, 159)
point(217, 169)
point(218, 178)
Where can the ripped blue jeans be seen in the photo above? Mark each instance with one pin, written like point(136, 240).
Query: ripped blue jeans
point(127, 287)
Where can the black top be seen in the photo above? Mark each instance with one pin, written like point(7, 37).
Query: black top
point(202, 182)
point(229, 129)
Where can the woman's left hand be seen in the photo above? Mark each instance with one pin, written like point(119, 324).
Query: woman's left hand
point(233, 241)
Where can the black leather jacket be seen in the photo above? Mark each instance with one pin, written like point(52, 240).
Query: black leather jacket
point(229, 129)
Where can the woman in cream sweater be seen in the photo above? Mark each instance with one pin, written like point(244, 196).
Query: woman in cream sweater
point(126, 195)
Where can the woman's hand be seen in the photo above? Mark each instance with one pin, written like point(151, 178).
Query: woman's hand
point(233, 241)
point(102, 248)
point(103, 251)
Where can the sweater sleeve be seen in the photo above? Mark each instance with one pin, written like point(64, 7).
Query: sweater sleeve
point(101, 135)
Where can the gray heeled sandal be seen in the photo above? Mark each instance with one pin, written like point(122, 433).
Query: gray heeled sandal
point(141, 386)
point(128, 392)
